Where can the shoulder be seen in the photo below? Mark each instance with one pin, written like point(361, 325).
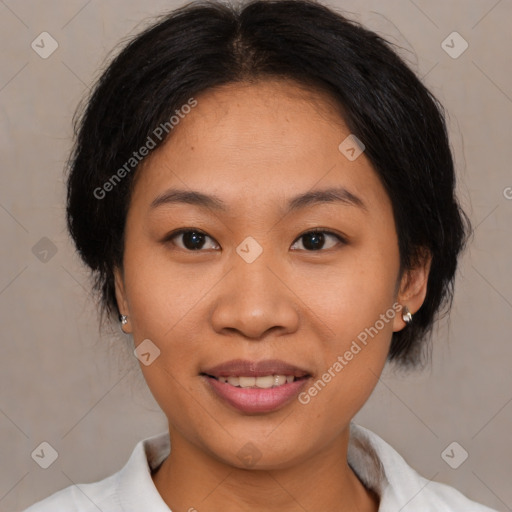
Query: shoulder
point(82, 498)
point(381, 468)
point(130, 489)
point(443, 498)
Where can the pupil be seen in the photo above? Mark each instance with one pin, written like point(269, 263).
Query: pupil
point(193, 240)
point(316, 239)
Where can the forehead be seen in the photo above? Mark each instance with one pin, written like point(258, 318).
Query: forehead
point(259, 142)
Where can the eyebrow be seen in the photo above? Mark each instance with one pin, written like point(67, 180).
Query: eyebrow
point(328, 195)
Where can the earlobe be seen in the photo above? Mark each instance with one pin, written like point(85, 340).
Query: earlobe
point(413, 290)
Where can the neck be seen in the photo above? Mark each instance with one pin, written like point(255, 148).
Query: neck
point(190, 479)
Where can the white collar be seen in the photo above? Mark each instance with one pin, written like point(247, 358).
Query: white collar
point(376, 463)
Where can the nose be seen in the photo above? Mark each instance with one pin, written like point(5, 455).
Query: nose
point(252, 301)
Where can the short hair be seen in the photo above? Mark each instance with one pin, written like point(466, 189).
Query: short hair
point(204, 45)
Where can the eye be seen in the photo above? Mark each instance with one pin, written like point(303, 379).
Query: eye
point(190, 239)
point(315, 240)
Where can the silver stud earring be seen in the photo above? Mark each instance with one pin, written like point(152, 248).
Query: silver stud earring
point(124, 320)
point(406, 315)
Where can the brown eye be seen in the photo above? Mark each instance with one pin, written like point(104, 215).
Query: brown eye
point(190, 239)
point(316, 240)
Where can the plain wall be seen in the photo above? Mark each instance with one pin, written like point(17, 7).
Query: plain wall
point(64, 383)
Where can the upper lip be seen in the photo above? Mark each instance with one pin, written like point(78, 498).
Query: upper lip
point(243, 367)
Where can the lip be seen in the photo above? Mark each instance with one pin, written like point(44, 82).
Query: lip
point(245, 368)
point(255, 400)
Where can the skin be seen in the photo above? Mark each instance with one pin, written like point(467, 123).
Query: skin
point(255, 146)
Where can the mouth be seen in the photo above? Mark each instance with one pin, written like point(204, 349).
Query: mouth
point(263, 382)
point(255, 387)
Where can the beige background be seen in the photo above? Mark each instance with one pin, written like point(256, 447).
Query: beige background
point(61, 382)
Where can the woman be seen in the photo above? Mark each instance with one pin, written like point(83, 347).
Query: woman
point(265, 195)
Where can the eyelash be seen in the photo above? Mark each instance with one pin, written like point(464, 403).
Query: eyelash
point(169, 238)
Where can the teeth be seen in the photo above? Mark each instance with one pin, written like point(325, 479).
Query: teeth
point(234, 381)
point(264, 382)
point(279, 380)
point(247, 382)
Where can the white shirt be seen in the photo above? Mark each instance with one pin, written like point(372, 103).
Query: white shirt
point(377, 464)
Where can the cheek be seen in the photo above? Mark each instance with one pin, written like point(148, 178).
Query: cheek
point(162, 303)
point(352, 363)
point(162, 306)
point(160, 294)
point(357, 305)
point(351, 295)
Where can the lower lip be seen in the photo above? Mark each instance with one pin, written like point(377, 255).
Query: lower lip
point(256, 400)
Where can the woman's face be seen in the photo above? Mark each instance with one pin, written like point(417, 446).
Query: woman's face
point(258, 296)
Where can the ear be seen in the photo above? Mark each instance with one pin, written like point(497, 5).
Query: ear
point(413, 287)
point(122, 301)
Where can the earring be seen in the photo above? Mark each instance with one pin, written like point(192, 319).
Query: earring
point(406, 315)
point(124, 320)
